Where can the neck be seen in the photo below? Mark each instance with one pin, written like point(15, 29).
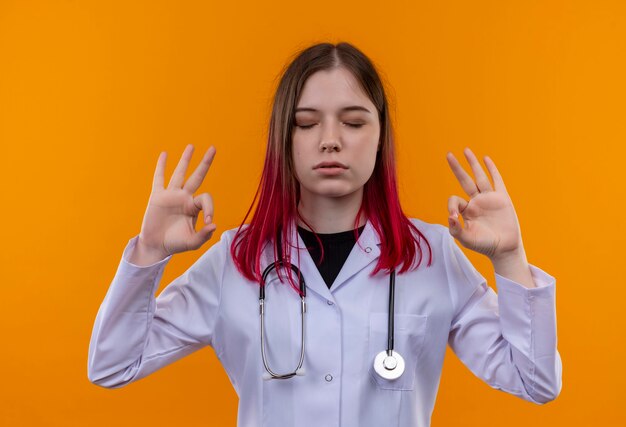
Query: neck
point(330, 214)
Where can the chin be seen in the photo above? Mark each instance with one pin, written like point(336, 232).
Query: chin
point(332, 192)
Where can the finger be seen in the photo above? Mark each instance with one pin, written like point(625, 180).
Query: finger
point(456, 206)
point(159, 173)
point(179, 173)
point(498, 182)
point(201, 236)
point(196, 178)
point(482, 181)
point(466, 181)
point(204, 201)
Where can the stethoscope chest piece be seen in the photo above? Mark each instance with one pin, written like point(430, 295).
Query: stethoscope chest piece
point(389, 367)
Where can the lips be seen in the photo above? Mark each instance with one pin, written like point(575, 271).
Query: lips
point(330, 165)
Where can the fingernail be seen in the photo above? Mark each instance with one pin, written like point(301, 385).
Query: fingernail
point(207, 219)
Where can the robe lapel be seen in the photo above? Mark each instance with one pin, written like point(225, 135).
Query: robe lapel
point(300, 257)
point(364, 252)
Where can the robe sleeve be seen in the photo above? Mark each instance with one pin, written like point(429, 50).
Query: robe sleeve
point(507, 339)
point(136, 333)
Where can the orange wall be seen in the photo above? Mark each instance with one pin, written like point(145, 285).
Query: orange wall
point(91, 92)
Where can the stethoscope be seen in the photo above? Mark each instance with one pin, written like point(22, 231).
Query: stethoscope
point(389, 364)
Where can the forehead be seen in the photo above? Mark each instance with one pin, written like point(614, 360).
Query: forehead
point(332, 90)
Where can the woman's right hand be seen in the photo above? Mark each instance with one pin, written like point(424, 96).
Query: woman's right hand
point(170, 219)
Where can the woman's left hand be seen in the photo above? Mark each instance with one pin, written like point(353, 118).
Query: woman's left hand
point(491, 225)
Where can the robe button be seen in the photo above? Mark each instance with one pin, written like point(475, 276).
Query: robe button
point(329, 377)
point(368, 249)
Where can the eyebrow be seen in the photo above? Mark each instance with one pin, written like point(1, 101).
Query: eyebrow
point(349, 108)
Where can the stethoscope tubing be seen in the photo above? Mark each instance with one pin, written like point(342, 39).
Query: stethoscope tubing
point(390, 326)
point(268, 269)
point(302, 315)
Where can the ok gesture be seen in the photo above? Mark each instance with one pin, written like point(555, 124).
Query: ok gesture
point(170, 219)
point(490, 222)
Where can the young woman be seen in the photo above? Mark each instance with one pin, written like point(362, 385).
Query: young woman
point(353, 324)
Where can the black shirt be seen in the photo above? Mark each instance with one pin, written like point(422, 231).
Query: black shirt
point(337, 247)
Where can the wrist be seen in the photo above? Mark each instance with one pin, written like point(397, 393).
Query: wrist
point(145, 255)
point(508, 257)
point(514, 266)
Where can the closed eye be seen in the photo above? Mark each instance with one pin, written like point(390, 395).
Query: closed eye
point(353, 125)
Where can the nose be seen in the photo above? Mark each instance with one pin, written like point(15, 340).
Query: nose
point(330, 141)
point(330, 146)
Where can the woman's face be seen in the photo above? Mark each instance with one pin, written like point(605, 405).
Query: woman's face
point(335, 122)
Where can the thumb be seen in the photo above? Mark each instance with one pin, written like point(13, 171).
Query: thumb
point(455, 229)
point(456, 204)
point(201, 236)
point(454, 224)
